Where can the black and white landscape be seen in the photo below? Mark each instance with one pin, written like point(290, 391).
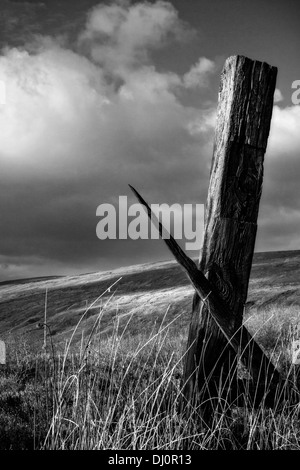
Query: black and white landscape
point(96, 95)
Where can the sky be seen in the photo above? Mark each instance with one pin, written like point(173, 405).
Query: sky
point(99, 95)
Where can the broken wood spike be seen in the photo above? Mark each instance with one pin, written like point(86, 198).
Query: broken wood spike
point(243, 343)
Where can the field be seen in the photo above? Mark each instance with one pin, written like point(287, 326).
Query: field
point(109, 377)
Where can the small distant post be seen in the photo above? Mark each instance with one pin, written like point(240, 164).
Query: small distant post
point(295, 351)
point(2, 353)
point(296, 346)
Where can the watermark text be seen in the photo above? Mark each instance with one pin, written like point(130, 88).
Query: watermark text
point(184, 221)
point(296, 94)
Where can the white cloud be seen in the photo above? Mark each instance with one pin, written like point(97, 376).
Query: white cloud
point(51, 99)
point(284, 134)
point(278, 96)
point(280, 199)
point(198, 76)
point(64, 117)
point(75, 132)
point(120, 36)
point(204, 123)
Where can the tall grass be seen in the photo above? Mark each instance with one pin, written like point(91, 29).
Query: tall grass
point(123, 392)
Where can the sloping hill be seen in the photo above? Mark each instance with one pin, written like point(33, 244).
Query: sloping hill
point(144, 294)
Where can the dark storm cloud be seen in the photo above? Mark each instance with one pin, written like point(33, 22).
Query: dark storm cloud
point(21, 21)
point(80, 122)
point(77, 131)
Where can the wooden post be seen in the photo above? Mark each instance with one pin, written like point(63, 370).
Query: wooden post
point(243, 123)
point(265, 375)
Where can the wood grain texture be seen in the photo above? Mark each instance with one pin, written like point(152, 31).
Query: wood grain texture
point(243, 123)
point(239, 340)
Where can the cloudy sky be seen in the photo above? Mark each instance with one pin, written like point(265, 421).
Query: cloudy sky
point(102, 94)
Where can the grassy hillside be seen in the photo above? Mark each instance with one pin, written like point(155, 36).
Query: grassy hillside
point(117, 384)
point(143, 292)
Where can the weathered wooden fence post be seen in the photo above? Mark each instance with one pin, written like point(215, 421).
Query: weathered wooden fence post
point(243, 123)
point(217, 336)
